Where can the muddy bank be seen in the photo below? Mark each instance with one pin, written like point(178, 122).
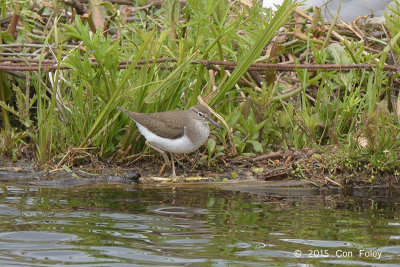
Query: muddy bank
point(278, 169)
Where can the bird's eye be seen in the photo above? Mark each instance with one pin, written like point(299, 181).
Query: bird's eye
point(201, 114)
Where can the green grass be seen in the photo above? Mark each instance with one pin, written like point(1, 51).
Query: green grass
point(347, 115)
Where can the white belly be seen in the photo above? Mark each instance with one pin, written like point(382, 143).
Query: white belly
point(180, 145)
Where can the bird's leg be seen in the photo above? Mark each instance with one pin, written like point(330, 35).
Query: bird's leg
point(166, 160)
point(173, 175)
point(173, 168)
point(181, 164)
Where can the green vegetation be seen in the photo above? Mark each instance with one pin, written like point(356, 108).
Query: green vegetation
point(351, 117)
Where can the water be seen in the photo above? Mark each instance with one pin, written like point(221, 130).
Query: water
point(128, 226)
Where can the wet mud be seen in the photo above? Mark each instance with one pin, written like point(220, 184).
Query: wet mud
point(279, 169)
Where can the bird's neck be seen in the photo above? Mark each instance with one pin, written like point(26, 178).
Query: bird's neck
point(197, 132)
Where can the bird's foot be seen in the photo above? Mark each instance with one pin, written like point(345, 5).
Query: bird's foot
point(183, 166)
point(177, 178)
point(172, 178)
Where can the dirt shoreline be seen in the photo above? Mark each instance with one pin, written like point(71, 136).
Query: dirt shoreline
point(278, 169)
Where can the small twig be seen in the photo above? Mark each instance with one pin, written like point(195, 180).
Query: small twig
point(332, 181)
point(79, 7)
point(353, 29)
point(70, 150)
point(51, 65)
point(34, 45)
point(14, 21)
point(334, 33)
point(271, 156)
point(151, 3)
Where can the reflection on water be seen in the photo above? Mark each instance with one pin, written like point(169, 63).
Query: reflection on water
point(198, 227)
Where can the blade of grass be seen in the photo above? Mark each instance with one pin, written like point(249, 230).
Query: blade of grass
point(118, 93)
point(169, 79)
point(280, 18)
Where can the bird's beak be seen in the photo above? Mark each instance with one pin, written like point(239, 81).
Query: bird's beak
point(214, 123)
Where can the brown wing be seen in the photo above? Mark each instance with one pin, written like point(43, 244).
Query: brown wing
point(168, 124)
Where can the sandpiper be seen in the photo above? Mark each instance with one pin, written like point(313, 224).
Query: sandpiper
point(175, 131)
